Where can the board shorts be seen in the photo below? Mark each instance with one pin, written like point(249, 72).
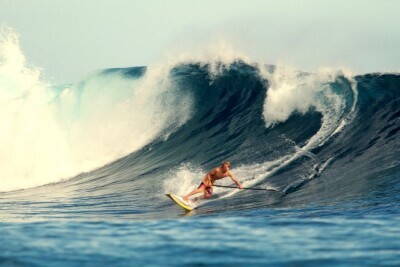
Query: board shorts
point(208, 190)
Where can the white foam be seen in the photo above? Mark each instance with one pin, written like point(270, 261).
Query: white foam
point(46, 137)
point(183, 180)
point(216, 56)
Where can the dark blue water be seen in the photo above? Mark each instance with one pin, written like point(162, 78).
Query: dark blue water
point(328, 145)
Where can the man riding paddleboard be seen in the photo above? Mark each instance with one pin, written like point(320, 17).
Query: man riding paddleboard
point(208, 181)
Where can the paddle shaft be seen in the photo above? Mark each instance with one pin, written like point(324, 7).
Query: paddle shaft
point(244, 188)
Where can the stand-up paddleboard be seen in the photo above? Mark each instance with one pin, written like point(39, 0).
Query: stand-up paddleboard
point(179, 200)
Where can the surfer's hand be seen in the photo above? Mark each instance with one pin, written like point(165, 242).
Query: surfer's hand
point(240, 186)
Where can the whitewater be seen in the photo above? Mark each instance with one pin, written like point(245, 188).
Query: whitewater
point(86, 165)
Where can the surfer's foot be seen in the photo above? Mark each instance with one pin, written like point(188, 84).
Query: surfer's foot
point(186, 198)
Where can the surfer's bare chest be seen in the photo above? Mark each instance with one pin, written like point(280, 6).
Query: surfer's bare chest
point(218, 174)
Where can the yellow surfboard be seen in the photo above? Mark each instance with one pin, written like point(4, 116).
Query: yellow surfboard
point(178, 200)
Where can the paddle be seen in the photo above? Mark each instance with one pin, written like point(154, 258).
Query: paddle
point(247, 188)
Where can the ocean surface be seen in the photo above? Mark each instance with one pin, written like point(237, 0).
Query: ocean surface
point(86, 166)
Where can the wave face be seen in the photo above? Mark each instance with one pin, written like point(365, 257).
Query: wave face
point(313, 137)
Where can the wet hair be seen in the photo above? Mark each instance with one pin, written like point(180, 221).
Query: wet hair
point(226, 163)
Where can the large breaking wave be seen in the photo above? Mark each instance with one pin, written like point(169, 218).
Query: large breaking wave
point(323, 136)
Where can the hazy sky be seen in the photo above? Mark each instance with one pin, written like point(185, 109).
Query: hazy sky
point(69, 39)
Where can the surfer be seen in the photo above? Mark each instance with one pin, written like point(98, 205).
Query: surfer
point(209, 179)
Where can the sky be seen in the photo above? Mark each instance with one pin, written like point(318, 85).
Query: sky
point(70, 39)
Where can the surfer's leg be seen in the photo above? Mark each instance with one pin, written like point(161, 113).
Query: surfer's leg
point(208, 192)
point(196, 191)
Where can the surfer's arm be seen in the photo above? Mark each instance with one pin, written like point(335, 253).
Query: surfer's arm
point(235, 180)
